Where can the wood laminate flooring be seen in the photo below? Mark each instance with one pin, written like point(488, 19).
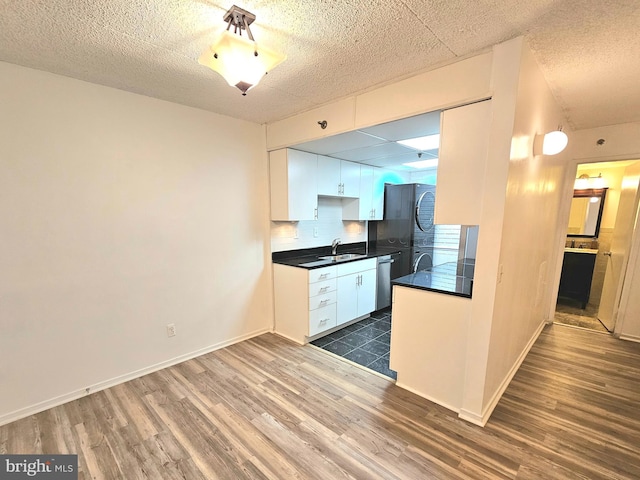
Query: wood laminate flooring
point(266, 408)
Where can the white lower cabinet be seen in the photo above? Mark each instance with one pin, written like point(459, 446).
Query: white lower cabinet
point(356, 289)
point(322, 319)
point(309, 302)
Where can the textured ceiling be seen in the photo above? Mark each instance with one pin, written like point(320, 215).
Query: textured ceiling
point(589, 51)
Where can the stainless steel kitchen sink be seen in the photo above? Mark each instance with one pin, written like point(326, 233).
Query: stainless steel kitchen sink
point(343, 256)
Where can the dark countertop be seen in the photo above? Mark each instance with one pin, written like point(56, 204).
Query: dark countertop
point(452, 278)
point(308, 257)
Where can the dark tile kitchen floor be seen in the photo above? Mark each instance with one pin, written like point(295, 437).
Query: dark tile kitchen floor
point(365, 342)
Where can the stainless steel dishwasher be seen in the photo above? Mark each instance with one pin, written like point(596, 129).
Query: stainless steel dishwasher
point(383, 295)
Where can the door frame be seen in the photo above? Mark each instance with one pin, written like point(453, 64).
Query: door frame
point(566, 194)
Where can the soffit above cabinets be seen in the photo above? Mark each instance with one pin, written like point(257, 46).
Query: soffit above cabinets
point(377, 145)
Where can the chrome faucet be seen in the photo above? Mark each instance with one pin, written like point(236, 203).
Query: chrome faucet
point(334, 246)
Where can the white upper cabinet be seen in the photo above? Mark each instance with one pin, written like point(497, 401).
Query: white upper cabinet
point(350, 177)
point(329, 176)
point(464, 143)
point(377, 194)
point(294, 193)
point(369, 205)
point(338, 178)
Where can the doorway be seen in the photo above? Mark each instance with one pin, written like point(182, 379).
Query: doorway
point(598, 239)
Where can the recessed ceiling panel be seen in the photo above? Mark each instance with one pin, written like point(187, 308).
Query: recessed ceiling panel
point(339, 143)
point(396, 160)
point(412, 127)
point(388, 149)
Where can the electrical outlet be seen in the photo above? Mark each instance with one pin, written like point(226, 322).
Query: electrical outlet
point(171, 330)
point(315, 232)
point(295, 233)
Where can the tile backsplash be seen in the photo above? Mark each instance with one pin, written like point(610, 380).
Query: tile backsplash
point(317, 233)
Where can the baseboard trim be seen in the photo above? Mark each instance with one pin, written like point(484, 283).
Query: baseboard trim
point(431, 399)
point(629, 338)
point(291, 339)
point(482, 419)
point(96, 387)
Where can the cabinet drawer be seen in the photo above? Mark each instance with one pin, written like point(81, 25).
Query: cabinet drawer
point(354, 267)
point(320, 301)
point(322, 274)
point(322, 319)
point(322, 288)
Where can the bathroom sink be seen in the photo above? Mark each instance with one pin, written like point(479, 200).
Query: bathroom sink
point(342, 257)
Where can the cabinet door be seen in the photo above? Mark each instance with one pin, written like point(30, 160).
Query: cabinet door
point(347, 298)
point(367, 292)
point(576, 276)
point(350, 179)
point(293, 185)
point(464, 143)
point(329, 176)
point(360, 208)
point(377, 194)
point(365, 212)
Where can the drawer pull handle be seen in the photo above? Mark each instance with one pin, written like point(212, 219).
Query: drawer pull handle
point(324, 301)
point(324, 289)
point(324, 320)
point(323, 275)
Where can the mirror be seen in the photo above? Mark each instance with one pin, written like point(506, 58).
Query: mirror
point(586, 212)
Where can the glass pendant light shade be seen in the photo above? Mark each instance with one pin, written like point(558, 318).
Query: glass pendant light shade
point(240, 61)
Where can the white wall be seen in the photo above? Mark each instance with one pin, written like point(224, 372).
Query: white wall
point(516, 233)
point(120, 214)
point(533, 194)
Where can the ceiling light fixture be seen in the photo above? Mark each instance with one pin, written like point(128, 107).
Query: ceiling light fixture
point(240, 61)
point(430, 142)
point(550, 143)
point(584, 182)
point(432, 162)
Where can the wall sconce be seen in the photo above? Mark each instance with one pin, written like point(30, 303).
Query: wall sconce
point(585, 182)
point(240, 61)
point(550, 143)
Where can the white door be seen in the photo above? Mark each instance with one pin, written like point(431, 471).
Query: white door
point(620, 243)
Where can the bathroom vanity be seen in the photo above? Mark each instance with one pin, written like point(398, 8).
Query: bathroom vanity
point(577, 273)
